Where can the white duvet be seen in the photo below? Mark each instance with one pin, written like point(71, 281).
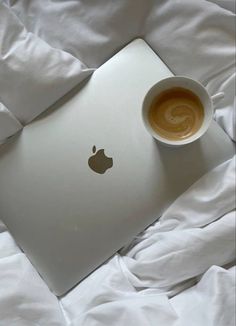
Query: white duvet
point(181, 271)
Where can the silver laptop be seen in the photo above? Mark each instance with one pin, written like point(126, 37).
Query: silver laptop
point(84, 178)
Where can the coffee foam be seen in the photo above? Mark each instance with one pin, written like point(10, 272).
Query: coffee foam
point(176, 114)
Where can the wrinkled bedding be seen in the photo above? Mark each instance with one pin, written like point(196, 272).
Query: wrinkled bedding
point(180, 271)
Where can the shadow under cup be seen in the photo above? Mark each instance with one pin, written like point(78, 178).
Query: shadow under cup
point(178, 82)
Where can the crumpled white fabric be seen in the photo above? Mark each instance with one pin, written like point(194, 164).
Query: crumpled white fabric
point(180, 271)
point(33, 74)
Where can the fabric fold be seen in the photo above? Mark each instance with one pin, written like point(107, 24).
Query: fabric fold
point(33, 74)
point(9, 125)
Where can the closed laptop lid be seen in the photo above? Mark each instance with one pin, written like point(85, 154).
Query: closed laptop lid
point(85, 177)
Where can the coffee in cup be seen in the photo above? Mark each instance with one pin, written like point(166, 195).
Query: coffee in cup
point(176, 113)
point(177, 110)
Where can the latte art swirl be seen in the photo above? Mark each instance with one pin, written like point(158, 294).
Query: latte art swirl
point(176, 114)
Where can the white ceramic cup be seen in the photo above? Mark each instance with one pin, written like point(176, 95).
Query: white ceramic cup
point(187, 83)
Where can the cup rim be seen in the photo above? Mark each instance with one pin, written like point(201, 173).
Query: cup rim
point(190, 139)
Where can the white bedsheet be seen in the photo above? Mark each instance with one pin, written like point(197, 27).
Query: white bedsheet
point(181, 271)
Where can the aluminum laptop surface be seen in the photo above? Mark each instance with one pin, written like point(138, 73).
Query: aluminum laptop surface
point(81, 180)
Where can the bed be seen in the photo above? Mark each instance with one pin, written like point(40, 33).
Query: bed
point(181, 270)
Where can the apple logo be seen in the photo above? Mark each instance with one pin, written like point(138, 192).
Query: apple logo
point(99, 162)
